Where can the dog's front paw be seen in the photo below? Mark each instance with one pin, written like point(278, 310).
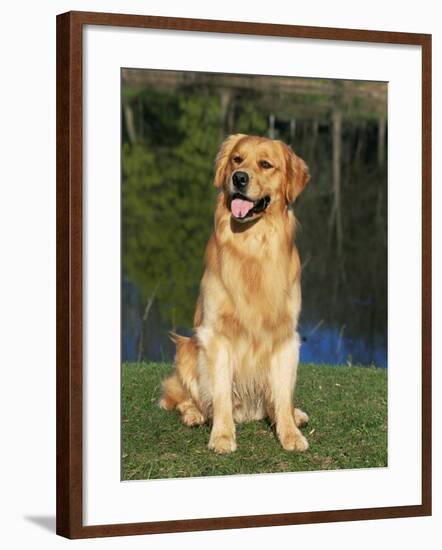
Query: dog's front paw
point(293, 441)
point(222, 443)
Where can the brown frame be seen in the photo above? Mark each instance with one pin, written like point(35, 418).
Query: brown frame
point(69, 273)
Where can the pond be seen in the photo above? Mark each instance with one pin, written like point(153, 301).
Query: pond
point(360, 340)
point(173, 124)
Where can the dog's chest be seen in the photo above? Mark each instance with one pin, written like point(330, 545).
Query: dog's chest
point(257, 277)
point(248, 392)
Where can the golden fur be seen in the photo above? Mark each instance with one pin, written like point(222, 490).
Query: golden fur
point(241, 362)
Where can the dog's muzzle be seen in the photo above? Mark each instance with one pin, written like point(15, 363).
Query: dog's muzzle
point(243, 208)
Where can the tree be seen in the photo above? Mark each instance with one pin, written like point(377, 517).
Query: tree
point(168, 208)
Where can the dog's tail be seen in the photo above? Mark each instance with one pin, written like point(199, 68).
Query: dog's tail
point(176, 388)
point(177, 338)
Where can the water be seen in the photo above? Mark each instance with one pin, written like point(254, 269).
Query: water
point(323, 342)
point(330, 345)
point(168, 200)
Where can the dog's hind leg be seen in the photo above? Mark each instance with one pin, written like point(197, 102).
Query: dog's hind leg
point(301, 418)
point(176, 396)
point(173, 393)
point(190, 413)
point(180, 391)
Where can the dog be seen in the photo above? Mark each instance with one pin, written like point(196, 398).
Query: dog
point(241, 362)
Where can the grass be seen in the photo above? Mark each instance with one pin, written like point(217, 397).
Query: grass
point(347, 407)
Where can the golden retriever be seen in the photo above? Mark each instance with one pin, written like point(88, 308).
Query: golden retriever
point(241, 362)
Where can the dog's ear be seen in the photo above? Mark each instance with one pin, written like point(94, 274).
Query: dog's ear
point(297, 174)
point(222, 158)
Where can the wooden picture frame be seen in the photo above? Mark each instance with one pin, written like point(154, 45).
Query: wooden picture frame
point(70, 273)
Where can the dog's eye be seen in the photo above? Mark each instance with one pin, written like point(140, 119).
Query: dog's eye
point(237, 159)
point(265, 164)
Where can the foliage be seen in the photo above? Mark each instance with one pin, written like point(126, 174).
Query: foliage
point(347, 429)
point(251, 119)
point(167, 207)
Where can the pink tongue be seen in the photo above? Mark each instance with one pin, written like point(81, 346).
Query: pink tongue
point(240, 207)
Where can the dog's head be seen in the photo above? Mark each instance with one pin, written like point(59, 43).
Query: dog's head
point(258, 173)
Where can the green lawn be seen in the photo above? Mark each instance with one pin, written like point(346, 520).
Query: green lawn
point(347, 407)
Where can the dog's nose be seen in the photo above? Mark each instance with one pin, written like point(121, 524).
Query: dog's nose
point(240, 179)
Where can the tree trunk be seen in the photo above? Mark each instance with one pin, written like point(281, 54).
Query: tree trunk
point(130, 125)
point(272, 126)
point(143, 324)
point(335, 220)
point(381, 141)
point(380, 225)
point(292, 131)
point(225, 100)
point(314, 138)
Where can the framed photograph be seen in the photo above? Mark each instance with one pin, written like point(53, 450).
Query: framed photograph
point(243, 274)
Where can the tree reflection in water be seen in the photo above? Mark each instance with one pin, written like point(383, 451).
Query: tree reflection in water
point(173, 123)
